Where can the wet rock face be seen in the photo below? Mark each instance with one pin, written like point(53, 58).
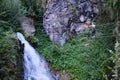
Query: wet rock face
point(68, 16)
point(28, 25)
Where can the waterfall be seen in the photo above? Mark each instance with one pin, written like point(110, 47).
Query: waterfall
point(35, 66)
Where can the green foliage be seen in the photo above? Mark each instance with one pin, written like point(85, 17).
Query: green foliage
point(84, 57)
point(113, 9)
point(32, 40)
point(6, 41)
point(11, 11)
point(116, 60)
point(34, 7)
point(10, 59)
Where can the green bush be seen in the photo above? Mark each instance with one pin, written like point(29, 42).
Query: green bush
point(10, 58)
point(34, 7)
point(11, 11)
point(84, 57)
point(111, 10)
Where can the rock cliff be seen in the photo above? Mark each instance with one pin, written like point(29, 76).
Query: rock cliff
point(27, 25)
point(63, 17)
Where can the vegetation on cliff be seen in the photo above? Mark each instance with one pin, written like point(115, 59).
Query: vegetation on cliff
point(83, 57)
point(10, 57)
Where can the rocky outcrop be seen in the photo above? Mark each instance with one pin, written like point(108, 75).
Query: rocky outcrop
point(62, 75)
point(27, 25)
point(69, 16)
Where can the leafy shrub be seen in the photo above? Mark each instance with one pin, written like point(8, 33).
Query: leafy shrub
point(84, 57)
point(34, 7)
point(10, 58)
point(111, 10)
point(11, 11)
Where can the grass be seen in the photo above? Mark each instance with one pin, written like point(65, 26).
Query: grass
point(84, 57)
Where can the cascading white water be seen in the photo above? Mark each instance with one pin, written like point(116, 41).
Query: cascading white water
point(35, 66)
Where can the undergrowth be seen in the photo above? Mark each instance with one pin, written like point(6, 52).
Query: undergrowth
point(84, 57)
